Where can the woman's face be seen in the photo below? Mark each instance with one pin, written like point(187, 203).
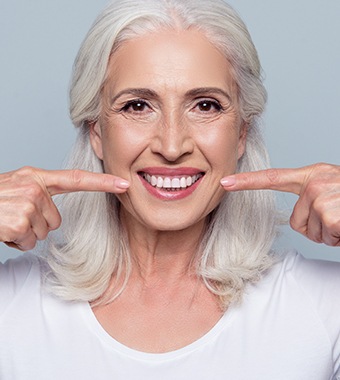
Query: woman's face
point(170, 125)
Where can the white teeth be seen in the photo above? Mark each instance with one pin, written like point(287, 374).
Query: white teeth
point(167, 183)
point(183, 183)
point(175, 184)
point(171, 183)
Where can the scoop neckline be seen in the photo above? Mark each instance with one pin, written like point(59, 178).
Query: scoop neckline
point(115, 345)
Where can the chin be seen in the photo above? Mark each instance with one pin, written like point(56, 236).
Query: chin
point(173, 223)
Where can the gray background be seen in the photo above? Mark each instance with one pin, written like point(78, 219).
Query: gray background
point(298, 43)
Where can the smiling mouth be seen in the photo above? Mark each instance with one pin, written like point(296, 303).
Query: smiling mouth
point(171, 183)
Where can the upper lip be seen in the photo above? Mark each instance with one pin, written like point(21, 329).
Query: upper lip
point(171, 172)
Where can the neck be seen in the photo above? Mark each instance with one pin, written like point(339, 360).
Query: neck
point(162, 255)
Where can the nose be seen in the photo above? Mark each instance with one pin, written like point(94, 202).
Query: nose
point(173, 139)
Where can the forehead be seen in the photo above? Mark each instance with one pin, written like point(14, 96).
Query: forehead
point(169, 58)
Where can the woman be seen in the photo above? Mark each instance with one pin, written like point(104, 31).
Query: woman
point(158, 271)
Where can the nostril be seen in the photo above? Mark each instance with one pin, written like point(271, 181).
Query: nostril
point(172, 145)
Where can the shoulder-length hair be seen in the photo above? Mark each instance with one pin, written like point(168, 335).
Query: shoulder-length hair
point(236, 248)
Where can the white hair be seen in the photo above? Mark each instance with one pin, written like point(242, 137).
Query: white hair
point(93, 250)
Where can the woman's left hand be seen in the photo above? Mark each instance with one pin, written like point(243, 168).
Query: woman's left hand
point(317, 212)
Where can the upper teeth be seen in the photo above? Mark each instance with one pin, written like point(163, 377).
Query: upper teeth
point(171, 183)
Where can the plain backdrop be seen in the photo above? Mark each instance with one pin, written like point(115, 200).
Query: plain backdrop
point(298, 43)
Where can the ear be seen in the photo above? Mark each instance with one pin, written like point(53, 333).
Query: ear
point(96, 139)
point(242, 140)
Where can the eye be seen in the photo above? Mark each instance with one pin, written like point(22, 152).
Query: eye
point(136, 106)
point(208, 106)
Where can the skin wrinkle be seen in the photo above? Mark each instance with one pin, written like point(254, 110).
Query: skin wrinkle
point(147, 93)
point(157, 105)
point(172, 133)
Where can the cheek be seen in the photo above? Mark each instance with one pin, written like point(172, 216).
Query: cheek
point(221, 148)
point(121, 147)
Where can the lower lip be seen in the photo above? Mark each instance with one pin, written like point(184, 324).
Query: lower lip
point(170, 195)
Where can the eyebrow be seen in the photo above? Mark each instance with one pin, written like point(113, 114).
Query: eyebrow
point(203, 91)
point(193, 93)
point(139, 92)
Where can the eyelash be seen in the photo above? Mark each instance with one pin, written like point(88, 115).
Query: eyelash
point(127, 107)
point(211, 103)
point(142, 104)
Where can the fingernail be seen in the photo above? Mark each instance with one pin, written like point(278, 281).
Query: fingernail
point(122, 184)
point(228, 181)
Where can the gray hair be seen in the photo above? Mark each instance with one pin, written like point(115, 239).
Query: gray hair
point(236, 248)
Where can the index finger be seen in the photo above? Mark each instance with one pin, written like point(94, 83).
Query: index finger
point(67, 181)
point(287, 180)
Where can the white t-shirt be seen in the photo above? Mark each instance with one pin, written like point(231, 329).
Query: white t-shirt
point(287, 328)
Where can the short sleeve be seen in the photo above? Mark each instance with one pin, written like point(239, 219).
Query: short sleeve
point(14, 274)
point(320, 281)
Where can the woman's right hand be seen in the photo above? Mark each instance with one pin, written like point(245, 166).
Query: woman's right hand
point(27, 211)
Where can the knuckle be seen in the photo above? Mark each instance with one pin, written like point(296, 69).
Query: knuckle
point(55, 223)
point(58, 222)
point(293, 223)
point(322, 167)
point(26, 182)
point(322, 175)
point(314, 236)
point(314, 189)
point(320, 206)
point(296, 226)
point(28, 245)
point(331, 239)
point(273, 176)
point(76, 176)
point(332, 224)
point(28, 209)
point(20, 229)
point(26, 171)
point(42, 235)
point(34, 191)
point(330, 242)
point(315, 239)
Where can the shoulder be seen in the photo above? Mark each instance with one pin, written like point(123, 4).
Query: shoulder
point(315, 277)
point(17, 275)
point(317, 284)
point(20, 267)
point(310, 281)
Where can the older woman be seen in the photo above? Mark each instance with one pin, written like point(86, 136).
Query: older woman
point(158, 272)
